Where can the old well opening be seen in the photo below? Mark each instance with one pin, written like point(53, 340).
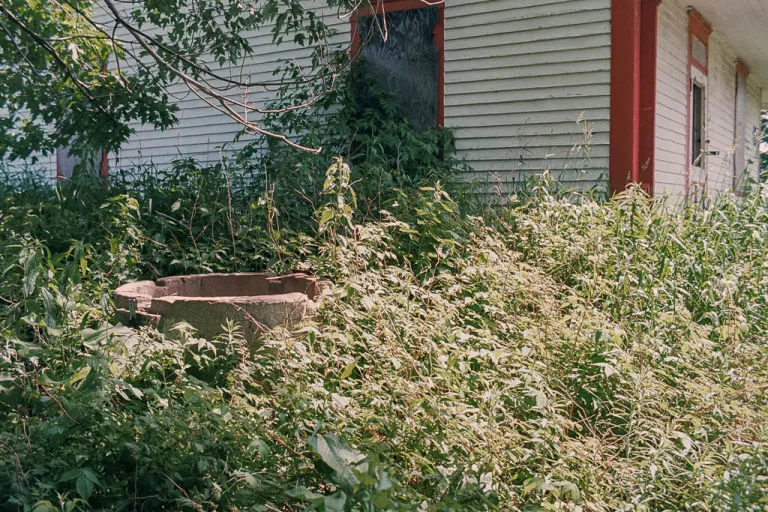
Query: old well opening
point(256, 301)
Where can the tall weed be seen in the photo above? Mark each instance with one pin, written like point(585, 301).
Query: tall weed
point(559, 355)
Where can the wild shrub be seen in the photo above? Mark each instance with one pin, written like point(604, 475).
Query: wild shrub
point(560, 355)
point(358, 121)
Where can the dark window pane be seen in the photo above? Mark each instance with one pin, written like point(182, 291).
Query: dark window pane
point(697, 124)
point(406, 64)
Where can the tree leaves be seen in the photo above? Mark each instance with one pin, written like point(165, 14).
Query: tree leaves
point(68, 74)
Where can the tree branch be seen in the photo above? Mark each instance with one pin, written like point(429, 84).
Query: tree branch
point(57, 59)
point(197, 87)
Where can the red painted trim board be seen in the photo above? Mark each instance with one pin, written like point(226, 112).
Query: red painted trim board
point(701, 29)
point(742, 69)
point(634, 44)
point(649, 32)
point(625, 94)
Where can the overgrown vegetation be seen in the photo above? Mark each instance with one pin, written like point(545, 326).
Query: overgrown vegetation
point(554, 354)
point(102, 64)
point(560, 355)
point(762, 143)
point(359, 121)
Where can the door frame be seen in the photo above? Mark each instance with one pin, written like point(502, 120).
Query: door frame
point(699, 29)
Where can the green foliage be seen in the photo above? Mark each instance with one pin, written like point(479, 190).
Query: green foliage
point(69, 72)
point(359, 121)
point(762, 141)
point(51, 73)
point(559, 355)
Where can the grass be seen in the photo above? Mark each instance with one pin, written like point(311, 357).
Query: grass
point(554, 355)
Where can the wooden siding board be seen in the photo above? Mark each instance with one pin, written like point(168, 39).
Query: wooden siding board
point(540, 105)
point(549, 66)
point(595, 166)
point(558, 44)
point(461, 8)
point(578, 79)
point(544, 118)
point(490, 96)
point(553, 57)
point(541, 35)
point(533, 150)
point(519, 23)
point(525, 12)
point(517, 71)
point(671, 100)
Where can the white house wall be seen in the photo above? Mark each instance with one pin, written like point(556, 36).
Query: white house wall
point(518, 77)
point(672, 98)
point(721, 115)
point(527, 88)
point(38, 165)
point(204, 133)
point(752, 128)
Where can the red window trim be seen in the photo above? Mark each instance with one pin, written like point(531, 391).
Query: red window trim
point(104, 171)
point(698, 27)
point(59, 176)
point(634, 43)
point(742, 69)
point(438, 36)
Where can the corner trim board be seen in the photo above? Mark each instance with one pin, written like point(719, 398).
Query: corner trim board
point(634, 43)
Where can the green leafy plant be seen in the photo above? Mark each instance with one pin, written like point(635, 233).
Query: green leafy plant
point(559, 354)
point(82, 56)
point(358, 122)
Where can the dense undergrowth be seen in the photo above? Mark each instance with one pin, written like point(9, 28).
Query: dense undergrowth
point(556, 355)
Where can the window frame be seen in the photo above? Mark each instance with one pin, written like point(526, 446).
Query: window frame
point(698, 28)
point(696, 167)
point(697, 160)
point(438, 37)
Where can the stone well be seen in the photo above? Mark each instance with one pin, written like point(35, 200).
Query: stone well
point(257, 302)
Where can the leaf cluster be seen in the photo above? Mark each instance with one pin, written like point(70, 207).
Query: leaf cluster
point(561, 354)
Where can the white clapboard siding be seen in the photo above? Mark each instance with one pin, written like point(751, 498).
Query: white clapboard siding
point(752, 128)
point(204, 133)
point(721, 115)
point(527, 88)
point(672, 98)
point(37, 165)
point(671, 101)
point(518, 77)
